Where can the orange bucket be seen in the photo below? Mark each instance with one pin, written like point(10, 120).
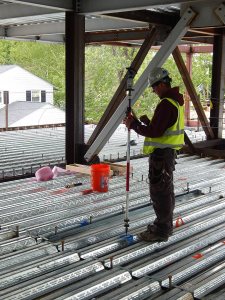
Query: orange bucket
point(100, 177)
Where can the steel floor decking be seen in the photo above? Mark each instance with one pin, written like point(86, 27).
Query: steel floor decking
point(58, 244)
point(24, 151)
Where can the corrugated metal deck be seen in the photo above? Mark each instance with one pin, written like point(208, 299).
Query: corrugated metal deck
point(57, 244)
point(24, 151)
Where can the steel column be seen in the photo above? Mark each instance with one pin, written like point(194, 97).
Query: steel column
point(75, 47)
point(217, 89)
point(187, 97)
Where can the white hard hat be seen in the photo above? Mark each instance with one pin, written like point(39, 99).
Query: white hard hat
point(157, 75)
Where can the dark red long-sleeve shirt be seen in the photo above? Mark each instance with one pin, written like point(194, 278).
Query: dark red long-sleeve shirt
point(165, 115)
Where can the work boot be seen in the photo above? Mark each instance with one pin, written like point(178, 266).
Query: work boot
point(148, 236)
point(152, 228)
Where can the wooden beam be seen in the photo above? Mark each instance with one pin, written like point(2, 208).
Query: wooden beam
point(192, 92)
point(121, 91)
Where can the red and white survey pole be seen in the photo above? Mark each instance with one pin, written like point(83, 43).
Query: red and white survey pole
point(129, 89)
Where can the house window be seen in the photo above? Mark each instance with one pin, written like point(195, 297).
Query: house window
point(35, 96)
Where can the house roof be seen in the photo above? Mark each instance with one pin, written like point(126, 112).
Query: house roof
point(22, 113)
point(5, 68)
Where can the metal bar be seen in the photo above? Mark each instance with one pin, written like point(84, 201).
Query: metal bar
point(16, 244)
point(177, 255)
point(59, 280)
point(56, 5)
point(199, 266)
point(192, 92)
point(28, 254)
point(103, 7)
point(37, 269)
point(104, 285)
point(75, 45)
point(211, 285)
point(217, 87)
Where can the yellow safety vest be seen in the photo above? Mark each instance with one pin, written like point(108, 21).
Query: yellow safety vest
point(173, 137)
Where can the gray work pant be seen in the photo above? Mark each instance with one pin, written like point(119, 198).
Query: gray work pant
point(161, 167)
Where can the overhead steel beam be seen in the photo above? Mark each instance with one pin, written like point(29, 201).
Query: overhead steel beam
point(59, 27)
point(116, 36)
point(62, 5)
point(168, 46)
point(207, 11)
point(105, 7)
point(19, 11)
point(36, 30)
point(151, 17)
point(191, 48)
point(56, 39)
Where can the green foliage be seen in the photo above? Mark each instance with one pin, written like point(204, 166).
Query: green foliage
point(105, 67)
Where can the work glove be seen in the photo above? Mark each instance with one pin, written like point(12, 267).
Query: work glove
point(144, 119)
point(128, 121)
point(131, 122)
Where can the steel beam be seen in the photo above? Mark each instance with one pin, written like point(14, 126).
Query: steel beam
point(151, 17)
point(116, 35)
point(75, 47)
point(218, 86)
point(220, 11)
point(207, 13)
point(21, 11)
point(192, 92)
point(168, 46)
point(36, 30)
point(103, 7)
point(59, 27)
point(61, 5)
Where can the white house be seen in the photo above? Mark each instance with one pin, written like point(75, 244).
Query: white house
point(29, 99)
point(21, 85)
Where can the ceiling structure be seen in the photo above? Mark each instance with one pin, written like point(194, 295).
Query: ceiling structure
point(107, 21)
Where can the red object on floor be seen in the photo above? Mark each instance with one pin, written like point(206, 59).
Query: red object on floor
point(179, 222)
point(100, 177)
point(197, 255)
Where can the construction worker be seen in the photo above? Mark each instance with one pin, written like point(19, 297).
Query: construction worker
point(164, 134)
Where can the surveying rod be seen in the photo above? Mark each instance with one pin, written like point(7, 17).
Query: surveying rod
point(129, 89)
